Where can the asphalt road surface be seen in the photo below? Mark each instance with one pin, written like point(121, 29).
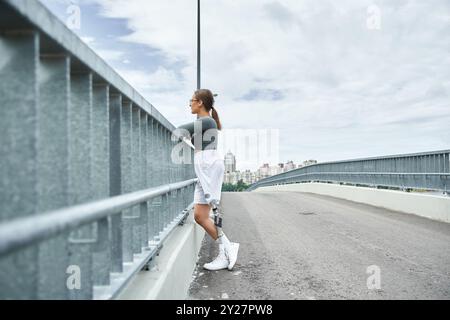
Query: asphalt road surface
point(306, 246)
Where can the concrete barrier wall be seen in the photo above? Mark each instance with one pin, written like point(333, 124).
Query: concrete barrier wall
point(429, 206)
point(171, 275)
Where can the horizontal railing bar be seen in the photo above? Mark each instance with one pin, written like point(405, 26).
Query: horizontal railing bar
point(357, 173)
point(365, 173)
point(373, 173)
point(26, 231)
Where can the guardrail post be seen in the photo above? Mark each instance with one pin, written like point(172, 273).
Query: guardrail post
point(168, 205)
point(80, 188)
point(156, 203)
point(136, 173)
point(179, 202)
point(151, 172)
point(126, 174)
point(166, 197)
point(172, 195)
point(115, 178)
point(159, 215)
point(100, 180)
point(53, 169)
point(19, 53)
point(143, 177)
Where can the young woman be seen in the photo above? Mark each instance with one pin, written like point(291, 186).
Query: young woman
point(209, 168)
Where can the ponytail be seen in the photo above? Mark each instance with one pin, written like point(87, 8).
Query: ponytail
point(215, 116)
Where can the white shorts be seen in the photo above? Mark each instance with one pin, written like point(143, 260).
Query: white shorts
point(209, 167)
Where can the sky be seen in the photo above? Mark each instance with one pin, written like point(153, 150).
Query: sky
point(324, 80)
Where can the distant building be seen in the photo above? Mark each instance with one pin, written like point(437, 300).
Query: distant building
point(276, 169)
point(230, 162)
point(232, 175)
point(263, 172)
point(248, 177)
point(289, 166)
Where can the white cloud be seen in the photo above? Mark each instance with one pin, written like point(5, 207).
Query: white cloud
point(148, 18)
point(161, 80)
point(344, 89)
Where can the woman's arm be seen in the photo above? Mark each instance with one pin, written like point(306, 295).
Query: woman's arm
point(180, 133)
point(189, 127)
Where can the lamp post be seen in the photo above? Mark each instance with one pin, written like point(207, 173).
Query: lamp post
point(198, 45)
point(199, 49)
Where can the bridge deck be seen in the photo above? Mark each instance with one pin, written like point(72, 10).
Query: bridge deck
point(306, 246)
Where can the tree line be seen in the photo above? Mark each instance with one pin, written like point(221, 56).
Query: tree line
point(239, 187)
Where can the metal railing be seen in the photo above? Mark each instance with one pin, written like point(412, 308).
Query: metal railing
point(426, 171)
point(88, 190)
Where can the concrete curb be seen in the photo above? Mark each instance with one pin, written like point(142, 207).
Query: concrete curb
point(171, 275)
point(428, 206)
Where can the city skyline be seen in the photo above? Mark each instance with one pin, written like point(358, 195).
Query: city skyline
point(232, 175)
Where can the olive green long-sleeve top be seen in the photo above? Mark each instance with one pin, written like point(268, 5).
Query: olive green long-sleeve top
point(203, 133)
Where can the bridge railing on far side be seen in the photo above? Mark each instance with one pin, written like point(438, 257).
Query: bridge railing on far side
point(426, 171)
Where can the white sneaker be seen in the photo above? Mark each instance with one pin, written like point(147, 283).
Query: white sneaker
point(221, 261)
point(232, 254)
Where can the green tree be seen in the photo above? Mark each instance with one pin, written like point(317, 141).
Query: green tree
point(239, 187)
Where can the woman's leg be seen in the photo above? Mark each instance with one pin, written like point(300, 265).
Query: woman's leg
point(201, 215)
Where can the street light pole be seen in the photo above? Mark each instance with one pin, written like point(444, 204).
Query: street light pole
point(198, 45)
